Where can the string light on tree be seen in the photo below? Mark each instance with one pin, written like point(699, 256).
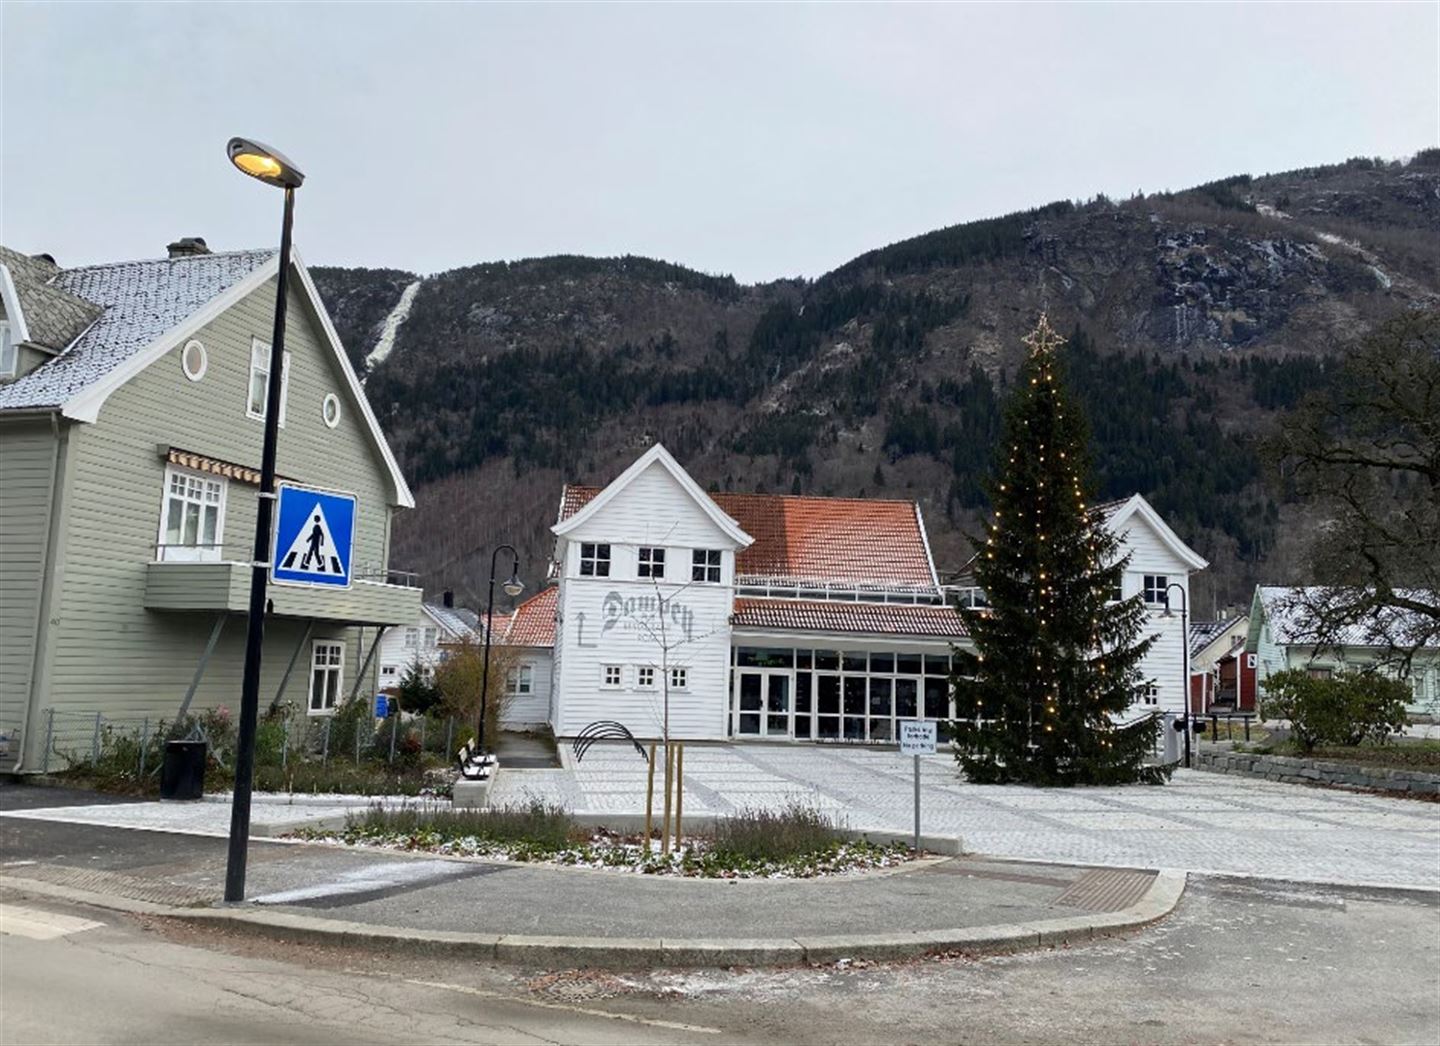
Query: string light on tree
point(1057, 658)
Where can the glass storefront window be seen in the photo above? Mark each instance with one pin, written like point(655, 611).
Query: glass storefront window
point(827, 659)
point(764, 657)
point(937, 665)
point(853, 662)
point(802, 659)
point(937, 699)
point(905, 691)
point(909, 664)
point(882, 663)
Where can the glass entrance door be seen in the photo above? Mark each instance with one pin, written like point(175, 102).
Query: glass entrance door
point(764, 705)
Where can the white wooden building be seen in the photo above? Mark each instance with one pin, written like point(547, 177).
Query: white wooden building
point(422, 640)
point(781, 617)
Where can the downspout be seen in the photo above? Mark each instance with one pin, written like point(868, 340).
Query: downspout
point(50, 524)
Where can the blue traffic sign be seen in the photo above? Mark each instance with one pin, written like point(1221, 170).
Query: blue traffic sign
point(314, 537)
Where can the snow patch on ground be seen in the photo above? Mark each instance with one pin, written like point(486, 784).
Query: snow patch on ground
point(391, 326)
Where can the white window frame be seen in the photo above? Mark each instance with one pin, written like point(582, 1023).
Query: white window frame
point(412, 638)
point(260, 364)
point(9, 351)
point(1148, 694)
point(432, 638)
point(705, 565)
point(609, 672)
point(650, 562)
point(1160, 591)
point(679, 678)
point(520, 681)
point(645, 677)
point(328, 656)
point(165, 552)
point(330, 400)
point(597, 559)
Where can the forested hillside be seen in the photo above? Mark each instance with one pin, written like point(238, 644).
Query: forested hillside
point(1195, 319)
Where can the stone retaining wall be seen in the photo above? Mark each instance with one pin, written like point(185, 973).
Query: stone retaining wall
point(1316, 771)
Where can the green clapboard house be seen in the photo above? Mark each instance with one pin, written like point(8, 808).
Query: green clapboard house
point(131, 419)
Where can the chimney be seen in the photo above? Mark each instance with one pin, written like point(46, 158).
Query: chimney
point(187, 247)
point(448, 599)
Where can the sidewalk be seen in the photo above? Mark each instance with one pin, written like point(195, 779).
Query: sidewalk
point(562, 916)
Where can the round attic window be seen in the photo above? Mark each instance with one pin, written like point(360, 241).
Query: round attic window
point(193, 360)
point(330, 410)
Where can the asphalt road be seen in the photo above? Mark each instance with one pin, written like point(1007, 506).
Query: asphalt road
point(1236, 962)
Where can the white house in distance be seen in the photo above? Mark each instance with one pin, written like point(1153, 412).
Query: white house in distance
point(422, 640)
point(1283, 635)
point(781, 617)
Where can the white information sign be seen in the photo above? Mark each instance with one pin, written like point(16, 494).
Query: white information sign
point(917, 737)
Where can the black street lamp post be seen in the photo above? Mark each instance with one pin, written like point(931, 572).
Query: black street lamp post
point(1184, 657)
point(513, 587)
point(269, 166)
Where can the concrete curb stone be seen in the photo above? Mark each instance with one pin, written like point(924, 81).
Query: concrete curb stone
point(631, 953)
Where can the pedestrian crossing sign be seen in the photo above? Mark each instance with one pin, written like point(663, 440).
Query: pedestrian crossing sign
point(314, 537)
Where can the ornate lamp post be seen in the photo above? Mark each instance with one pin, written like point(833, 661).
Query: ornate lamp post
point(513, 587)
point(271, 167)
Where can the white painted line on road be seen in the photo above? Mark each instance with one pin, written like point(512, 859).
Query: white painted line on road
point(586, 1010)
point(381, 876)
point(40, 925)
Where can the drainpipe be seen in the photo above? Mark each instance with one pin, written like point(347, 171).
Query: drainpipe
point(50, 524)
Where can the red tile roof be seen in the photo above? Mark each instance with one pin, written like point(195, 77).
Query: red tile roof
point(856, 540)
point(871, 619)
point(533, 623)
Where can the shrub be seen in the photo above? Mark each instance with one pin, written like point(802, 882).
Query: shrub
point(758, 834)
point(1342, 710)
point(541, 825)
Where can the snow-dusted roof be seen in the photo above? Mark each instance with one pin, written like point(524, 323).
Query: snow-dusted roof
point(1203, 633)
point(457, 621)
point(140, 301)
point(1291, 614)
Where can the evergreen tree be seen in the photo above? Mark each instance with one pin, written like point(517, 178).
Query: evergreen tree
point(1056, 664)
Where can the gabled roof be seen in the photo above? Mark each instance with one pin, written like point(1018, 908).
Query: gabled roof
point(1119, 513)
point(458, 622)
point(41, 314)
point(810, 539)
point(656, 455)
point(1291, 614)
point(870, 619)
point(1203, 633)
point(533, 623)
point(145, 309)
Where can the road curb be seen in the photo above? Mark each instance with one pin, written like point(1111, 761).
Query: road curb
point(631, 953)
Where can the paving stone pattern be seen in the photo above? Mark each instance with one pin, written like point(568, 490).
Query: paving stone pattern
point(1200, 822)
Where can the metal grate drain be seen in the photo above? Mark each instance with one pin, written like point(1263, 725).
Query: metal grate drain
point(118, 884)
point(1106, 890)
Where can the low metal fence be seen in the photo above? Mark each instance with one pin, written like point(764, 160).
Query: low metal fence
point(132, 744)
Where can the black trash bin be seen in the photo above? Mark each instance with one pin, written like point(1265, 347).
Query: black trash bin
point(182, 774)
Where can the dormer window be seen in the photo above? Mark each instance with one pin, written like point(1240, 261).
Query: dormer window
point(652, 562)
point(705, 565)
point(594, 560)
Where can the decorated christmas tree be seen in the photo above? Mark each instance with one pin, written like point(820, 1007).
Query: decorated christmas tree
point(1046, 698)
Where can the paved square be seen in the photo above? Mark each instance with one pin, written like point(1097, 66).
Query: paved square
point(1200, 822)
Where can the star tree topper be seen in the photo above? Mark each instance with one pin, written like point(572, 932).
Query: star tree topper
point(1043, 338)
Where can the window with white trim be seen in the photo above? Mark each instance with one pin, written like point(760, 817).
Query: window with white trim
point(645, 677)
point(9, 351)
point(327, 669)
point(594, 560)
point(652, 562)
point(705, 565)
point(1148, 694)
point(329, 410)
point(520, 680)
point(1156, 586)
point(192, 517)
point(679, 678)
point(432, 638)
point(610, 675)
point(412, 638)
point(260, 378)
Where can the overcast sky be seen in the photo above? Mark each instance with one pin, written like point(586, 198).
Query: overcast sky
point(762, 141)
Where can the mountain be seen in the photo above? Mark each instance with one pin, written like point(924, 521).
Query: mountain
point(1195, 319)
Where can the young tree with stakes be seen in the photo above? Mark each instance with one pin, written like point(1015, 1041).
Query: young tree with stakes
point(1055, 669)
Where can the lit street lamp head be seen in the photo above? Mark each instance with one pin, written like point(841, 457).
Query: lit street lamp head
point(260, 161)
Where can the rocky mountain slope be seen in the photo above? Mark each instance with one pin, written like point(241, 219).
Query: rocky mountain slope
point(1195, 319)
